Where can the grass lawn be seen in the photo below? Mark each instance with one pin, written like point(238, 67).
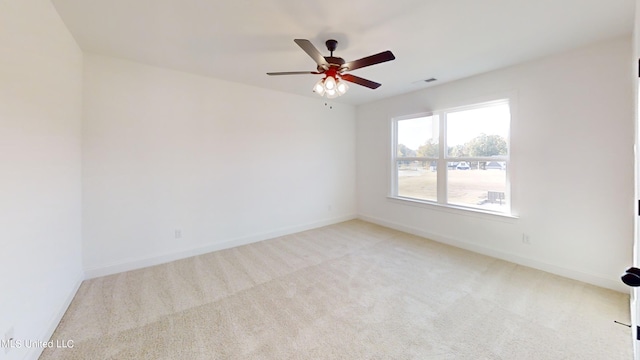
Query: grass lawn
point(465, 187)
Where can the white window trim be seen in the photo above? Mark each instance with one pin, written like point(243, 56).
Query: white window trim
point(441, 203)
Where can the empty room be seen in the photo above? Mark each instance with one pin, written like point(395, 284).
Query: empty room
point(318, 180)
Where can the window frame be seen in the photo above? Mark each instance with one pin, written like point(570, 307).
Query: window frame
point(443, 157)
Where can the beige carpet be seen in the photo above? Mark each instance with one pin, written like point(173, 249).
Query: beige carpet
point(348, 291)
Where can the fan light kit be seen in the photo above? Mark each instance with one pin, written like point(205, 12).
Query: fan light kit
point(332, 86)
point(334, 68)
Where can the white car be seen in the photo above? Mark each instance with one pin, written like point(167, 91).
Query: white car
point(463, 166)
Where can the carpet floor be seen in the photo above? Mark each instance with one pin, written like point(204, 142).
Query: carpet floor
point(353, 290)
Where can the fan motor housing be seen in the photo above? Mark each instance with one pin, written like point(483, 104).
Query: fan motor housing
point(332, 60)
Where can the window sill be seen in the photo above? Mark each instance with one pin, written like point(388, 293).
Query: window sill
point(453, 209)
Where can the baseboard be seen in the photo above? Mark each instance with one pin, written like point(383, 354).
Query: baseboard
point(532, 263)
point(139, 263)
point(35, 352)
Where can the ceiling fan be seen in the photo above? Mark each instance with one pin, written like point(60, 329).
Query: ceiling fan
point(334, 69)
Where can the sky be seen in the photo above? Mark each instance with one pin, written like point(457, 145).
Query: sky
point(462, 126)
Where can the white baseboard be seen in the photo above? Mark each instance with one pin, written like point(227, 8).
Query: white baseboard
point(550, 268)
point(35, 352)
point(139, 263)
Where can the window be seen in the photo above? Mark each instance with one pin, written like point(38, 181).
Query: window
point(457, 157)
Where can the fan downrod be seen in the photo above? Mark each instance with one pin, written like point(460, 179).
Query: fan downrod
point(331, 45)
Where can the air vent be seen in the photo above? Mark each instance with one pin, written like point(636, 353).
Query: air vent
point(429, 80)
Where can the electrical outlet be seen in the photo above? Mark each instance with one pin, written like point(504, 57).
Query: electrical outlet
point(178, 234)
point(526, 239)
point(7, 340)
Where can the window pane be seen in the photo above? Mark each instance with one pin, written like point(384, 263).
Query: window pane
point(478, 132)
point(477, 184)
point(418, 137)
point(418, 180)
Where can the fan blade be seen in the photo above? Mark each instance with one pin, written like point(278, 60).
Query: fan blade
point(311, 50)
point(293, 73)
point(360, 81)
point(369, 60)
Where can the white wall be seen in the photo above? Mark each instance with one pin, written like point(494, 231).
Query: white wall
point(635, 292)
point(572, 164)
point(223, 162)
point(40, 157)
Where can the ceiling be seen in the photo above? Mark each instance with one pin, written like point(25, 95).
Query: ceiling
point(241, 40)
